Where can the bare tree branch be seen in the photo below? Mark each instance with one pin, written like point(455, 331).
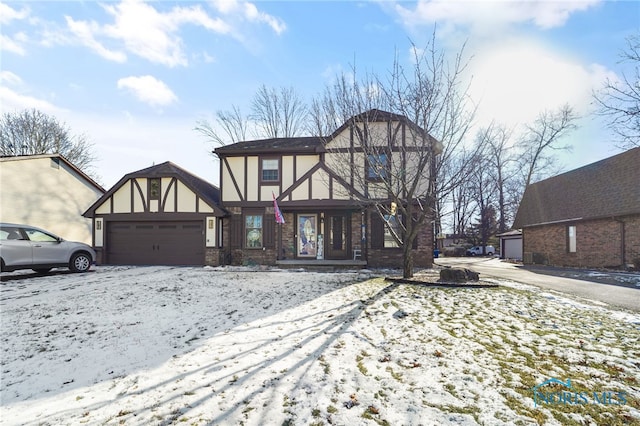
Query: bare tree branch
point(32, 132)
point(620, 100)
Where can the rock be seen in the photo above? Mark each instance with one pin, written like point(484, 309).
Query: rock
point(458, 275)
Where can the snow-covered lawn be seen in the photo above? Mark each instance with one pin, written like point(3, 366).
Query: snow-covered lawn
point(200, 346)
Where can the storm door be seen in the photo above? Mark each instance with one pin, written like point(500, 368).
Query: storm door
point(307, 239)
point(338, 233)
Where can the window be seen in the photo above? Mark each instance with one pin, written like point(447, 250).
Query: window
point(253, 231)
point(377, 167)
point(39, 236)
point(270, 170)
point(393, 224)
point(571, 239)
point(154, 189)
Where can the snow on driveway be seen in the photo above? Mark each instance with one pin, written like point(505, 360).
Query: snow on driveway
point(200, 346)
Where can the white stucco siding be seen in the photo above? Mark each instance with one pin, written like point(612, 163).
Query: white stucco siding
point(304, 163)
point(210, 233)
point(98, 232)
point(343, 140)
point(168, 198)
point(139, 198)
point(266, 191)
point(300, 193)
point(203, 207)
point(186, 199)
point(287, 171)
point(252, 179)
point(46, 193)
point(122, 198)
point(320, 185)
point(229, 191)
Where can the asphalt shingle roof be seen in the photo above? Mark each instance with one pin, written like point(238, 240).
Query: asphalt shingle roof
point(607, 188)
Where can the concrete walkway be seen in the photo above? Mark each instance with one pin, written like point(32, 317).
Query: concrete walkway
point(625, 296)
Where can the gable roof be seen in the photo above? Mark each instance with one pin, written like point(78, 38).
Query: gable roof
point(300, 144)
point(58, 157)
point(311, 144)
point(610, 187)
point(208, 192)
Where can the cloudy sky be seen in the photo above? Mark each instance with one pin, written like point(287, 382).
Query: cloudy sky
point(136, 76)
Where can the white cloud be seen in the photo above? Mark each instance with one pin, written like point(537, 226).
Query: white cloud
point(489, 16)
point(515, 81)
point(8, 78)
point(7, 14)
point(13, 44)
point(148, 89)
point(84, 32)
point(249, 11)
point(13, 101)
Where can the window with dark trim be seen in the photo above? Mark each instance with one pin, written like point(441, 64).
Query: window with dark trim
point(270, 170)
point(253, 231)
point(392, 224)
point(377, 167)
point(154, 188)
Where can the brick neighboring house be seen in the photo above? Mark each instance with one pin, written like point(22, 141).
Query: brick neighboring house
point(587, 217)
point(328, 218)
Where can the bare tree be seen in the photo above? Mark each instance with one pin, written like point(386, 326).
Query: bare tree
point(278, 113)
point(483, 186)
point(619, 100)
point(499, 159)
point(232, 124)
point(541, 140)
point(32, 132)
point(433, 110)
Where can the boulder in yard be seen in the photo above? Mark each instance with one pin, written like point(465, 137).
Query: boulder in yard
point(458, 275)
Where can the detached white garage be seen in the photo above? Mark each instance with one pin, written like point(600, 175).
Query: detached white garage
point(162, 215)
point(511, 244)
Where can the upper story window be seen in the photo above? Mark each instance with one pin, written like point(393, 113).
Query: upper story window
point(154, 188)
point(377, 167)
point(270, 170)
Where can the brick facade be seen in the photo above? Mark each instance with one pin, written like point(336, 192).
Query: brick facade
point(285, 240)
point(599, 243)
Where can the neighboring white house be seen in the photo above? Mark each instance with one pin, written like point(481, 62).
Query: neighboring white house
point(49, 192)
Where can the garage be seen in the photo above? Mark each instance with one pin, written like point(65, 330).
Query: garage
point(145, 243)
point(161, 215)
point(511, 244)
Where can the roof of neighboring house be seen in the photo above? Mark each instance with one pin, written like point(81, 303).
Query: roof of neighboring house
point(58, 157)
point(607, 188)
point(208, 192)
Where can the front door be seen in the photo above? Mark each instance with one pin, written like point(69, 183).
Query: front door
point(338, 233)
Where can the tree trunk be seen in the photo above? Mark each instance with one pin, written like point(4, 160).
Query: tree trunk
point(407, 261)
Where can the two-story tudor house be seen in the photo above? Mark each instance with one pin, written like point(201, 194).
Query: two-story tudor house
point(329, 213)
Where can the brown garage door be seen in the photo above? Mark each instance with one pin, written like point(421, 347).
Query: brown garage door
point(155, 243)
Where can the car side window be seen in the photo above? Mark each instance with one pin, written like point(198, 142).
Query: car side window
point(10, 233)
point(39, 236)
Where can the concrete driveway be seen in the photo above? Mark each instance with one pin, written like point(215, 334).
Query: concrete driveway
point(607, 289)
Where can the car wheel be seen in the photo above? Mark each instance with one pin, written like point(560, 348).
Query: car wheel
point(42, 270)
point(80, 262)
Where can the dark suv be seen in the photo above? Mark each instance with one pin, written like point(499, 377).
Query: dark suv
point(28, 247)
